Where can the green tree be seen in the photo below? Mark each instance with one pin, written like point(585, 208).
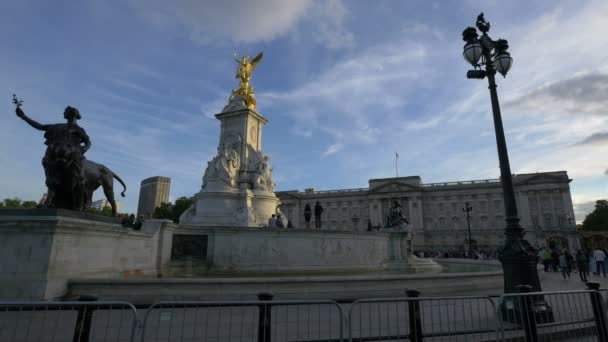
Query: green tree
point(598, 218)
point(105, 211)
point(172, 211)
point(17, 203)
point(163, 211)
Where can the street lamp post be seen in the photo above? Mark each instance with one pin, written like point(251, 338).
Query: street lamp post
point(518, 257)
point(467, 209)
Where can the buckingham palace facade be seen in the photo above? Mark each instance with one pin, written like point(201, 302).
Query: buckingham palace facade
point(435, 210)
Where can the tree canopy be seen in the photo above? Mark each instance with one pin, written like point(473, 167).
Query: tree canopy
point(598, 218)
point(172, 211)
point(17, 203)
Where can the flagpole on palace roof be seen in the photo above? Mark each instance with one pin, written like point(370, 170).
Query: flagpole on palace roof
point(397, 164)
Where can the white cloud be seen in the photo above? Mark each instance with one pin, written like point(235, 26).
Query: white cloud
point(234, 20)
point(332, 149)
point(329, 23)
point(210, 21)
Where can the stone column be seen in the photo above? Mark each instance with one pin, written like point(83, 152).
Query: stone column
point(524, 209)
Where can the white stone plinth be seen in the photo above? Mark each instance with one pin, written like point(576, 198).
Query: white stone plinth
point(41, 249)
point(237, 207)
point(263, 250)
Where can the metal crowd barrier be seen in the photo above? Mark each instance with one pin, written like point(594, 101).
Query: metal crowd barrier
point(263, 320)
point(526, 316)
point(413, 318)
point(67, 321)
point(552, 316)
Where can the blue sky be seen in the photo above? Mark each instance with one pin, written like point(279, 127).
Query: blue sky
point(344, 86)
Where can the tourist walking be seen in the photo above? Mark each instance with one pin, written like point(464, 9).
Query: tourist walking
point(272, 222)
point(563, 265)
point(582, 263)
point(599, 256)
point(545, 256)
point(279, 221)
point(554, 261)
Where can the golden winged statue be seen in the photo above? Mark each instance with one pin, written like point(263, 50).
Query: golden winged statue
point(243, 73)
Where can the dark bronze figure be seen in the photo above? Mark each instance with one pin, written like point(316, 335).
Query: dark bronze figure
point(70, 178)
point(318, 213)
point(307, 215)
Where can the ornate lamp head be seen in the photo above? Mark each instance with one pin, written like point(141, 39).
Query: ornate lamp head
point(502, 59)
point(472, 49)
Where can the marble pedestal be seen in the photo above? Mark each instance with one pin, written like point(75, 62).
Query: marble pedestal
point(237, 207)
point(42, 249)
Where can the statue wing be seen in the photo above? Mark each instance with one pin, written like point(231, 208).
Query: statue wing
point(256, 60)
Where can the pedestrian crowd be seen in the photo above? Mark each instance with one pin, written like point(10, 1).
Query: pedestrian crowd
point(479, 254)
point(130, 221)
point(584, 261)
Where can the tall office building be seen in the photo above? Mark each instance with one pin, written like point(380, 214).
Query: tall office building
point(153, 192)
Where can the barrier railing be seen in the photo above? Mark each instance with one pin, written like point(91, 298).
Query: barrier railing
point(262, 320)
point(552, 316)
point(67, 321)
point(527, 316)
point(418, 319)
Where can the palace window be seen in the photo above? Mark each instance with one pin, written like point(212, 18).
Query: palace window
point(455, 223)
point(428, 223)
point(484, 222)
point(548, 221)
point(535, 222)
point(497, 204)
point(561, 221)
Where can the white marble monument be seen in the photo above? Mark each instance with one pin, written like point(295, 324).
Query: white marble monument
point(238, 189)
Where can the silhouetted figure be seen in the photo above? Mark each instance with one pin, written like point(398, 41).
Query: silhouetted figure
point(369, 226)
point(582, 263)
point(124, 221)
point(66, 145)
point(71, 179)
point(138, 223)
point(289, 224)
point(318, 212)
point(279, 221)
point(272, 222)
point(307, 215)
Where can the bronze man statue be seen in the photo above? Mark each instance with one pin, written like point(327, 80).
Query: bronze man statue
point(70, 178)
point(318, 212)
point(66, 144)
point(307, 215)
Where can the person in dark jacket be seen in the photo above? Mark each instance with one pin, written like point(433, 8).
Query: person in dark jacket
point(582, 263)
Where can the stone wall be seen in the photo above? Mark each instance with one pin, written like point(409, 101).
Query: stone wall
point(243, 250)
point(40, 249)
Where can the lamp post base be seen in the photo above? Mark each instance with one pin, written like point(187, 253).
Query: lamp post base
point(519, 263)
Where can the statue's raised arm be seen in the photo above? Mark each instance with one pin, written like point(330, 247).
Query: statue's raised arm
point(21, 114)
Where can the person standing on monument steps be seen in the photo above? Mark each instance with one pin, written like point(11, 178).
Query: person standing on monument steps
point(272, 222)
point(307, 215)
point(318, 212)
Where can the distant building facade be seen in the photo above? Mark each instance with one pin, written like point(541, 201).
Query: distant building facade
point(103, 203)
point(153, 192)
point(544, 205)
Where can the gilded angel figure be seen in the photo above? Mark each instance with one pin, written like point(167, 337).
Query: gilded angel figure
point(246, 67)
